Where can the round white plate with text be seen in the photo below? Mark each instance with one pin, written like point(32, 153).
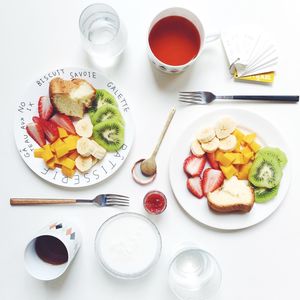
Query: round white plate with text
point(27, 107)
point(267, 135)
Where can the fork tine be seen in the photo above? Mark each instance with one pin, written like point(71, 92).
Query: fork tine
point(117, 195)
point(191, 101)
point(117, 200)
point(117, 203)
point(192, 93)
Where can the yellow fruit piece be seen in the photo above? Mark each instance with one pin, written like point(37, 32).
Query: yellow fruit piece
point(224, 160)
point(56, 144)
point(62, 133)
point(239, 135)
point(237, 147)
point(229, 171)
point(68, 172)
point(71, 141)
point(239, 159)
point(246, 150)
point(67, 162)
point(73, 155)
point(47, 147)
point(47, 155)
point(254, 146)
point(249, 138)
point(38, 153)
point(51, 163)
point(244, 171)
point(218, 155)
point(62, 150)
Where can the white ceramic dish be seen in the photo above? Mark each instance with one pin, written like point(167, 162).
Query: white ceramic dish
point(26, 108)
point(267, 134)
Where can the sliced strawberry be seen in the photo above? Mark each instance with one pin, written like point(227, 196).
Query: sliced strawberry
point(45, 107)
point(193, 166)
point(64, 121)
point(211, 157)
point(35, 130)
point(212, 179)
point(50, 129)
point(195, 187)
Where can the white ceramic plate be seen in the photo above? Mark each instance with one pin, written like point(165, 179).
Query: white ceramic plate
point(26, 108)
point(267, 134)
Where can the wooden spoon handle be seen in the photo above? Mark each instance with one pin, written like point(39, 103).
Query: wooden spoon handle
point(35, 201)
point(162, 135)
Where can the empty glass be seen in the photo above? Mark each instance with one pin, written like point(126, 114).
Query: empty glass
point(103, 34)
point(194, 274)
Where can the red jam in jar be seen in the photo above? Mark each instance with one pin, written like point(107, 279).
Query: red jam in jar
point(155, 202)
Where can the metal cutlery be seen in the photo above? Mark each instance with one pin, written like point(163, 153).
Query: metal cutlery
point(200, 97)
point(101, 200)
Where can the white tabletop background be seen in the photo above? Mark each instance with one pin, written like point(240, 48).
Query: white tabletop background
point(261, 262)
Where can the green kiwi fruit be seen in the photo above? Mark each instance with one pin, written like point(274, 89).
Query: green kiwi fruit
point(265, 172)
point(263, 194)
point(275, 153)
point(102, 97)
point(107, 112)
point(109, 134)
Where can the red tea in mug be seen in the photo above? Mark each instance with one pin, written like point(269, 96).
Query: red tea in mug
point(174, 40)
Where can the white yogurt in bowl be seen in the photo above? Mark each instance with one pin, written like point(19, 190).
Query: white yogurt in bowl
point(128, 245)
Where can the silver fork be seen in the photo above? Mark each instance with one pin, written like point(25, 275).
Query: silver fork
point(101, 200)
point(200, 97)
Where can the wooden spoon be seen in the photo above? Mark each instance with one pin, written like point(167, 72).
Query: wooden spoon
point(148, 166)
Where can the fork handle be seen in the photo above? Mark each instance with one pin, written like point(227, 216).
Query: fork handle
point(292, 98)
point(36, 201)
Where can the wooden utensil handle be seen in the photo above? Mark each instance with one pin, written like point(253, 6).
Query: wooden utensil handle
point(36, 201)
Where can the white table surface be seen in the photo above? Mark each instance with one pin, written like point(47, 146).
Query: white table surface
point(261, 262)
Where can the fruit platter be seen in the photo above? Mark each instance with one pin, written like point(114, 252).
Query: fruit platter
point(73, 127)
point(230, 169)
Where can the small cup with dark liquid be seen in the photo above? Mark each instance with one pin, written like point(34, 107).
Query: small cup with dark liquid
point(176, 39)
point(49, 253)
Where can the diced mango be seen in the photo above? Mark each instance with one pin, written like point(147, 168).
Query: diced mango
point(71, 141)
point(218, 155)
point(254, 146)
point(62, 133)
point(246, 150)
point(51, 163)
point(68, 172)
point(47, 155)
point(67, 162)
point(56, 144)
point(38, 153)
point(239, 159)
point(62, 150)
point(237, 147)
point(249, 138)
point(239, 135)
point(47, 147)
point(223, 160)
point(73, 155)
point(229, 171)
point(244, 171)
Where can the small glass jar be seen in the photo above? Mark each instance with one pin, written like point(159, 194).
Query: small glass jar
point(155, 202)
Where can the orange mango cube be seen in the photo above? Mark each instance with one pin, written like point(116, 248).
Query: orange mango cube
point(249, 138)
point(229, 171)
point(62, 133)
point(68, 172)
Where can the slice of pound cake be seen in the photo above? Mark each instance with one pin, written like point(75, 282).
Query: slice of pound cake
point(234, 195)
point(71, 97)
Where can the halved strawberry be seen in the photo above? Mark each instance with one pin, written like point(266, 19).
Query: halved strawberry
point(194, 186)
point(50, 129)
point(212, 179)
point(45, 107)
point(193, 166)
point(35, 130)
point(211, 157)
point(64, 121)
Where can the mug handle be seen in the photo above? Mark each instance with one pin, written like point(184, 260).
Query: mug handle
point(212, 37)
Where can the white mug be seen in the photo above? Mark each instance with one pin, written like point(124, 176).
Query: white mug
point(66, 233)
point(182, 12)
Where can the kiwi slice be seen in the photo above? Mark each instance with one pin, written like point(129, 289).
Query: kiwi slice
point(263, 194)
point(102, 97)
point(109, 134)
point(275, 153)
point(107, 112)
point(265, 172)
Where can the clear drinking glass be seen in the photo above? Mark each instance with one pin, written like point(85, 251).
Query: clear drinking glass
point(104, 36)
point(194, 274)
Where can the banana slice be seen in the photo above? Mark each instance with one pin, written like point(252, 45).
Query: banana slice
point(94, 160)
point(225, 127)
point(206, 135)
point(211, 146)
point(84, 147)
point(83, 164)
point(196, 149)
point(98, 151)
point(84, 127)
point(228, 144)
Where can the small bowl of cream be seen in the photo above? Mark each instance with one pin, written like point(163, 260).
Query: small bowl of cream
point(128, 245)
